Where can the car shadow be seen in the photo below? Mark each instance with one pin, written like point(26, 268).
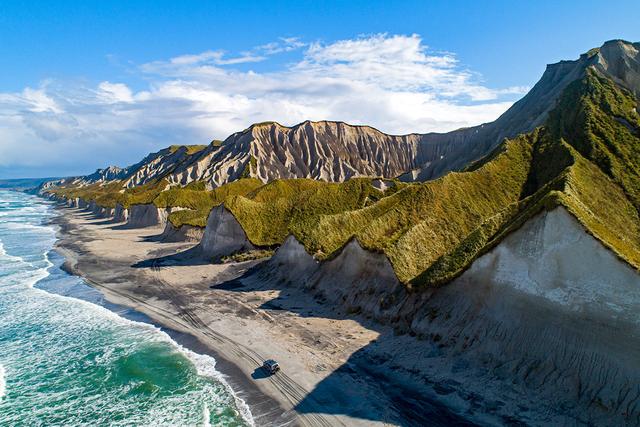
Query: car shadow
point(259, 373)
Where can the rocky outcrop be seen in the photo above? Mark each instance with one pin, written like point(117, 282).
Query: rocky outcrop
point(336, 151)
point(120, 214)
point(223, 235)
point(549, 308)
point(82, 204)
point(110, 173)
point(184, 233)
point(150, 215)
point(329, 151)
point(157, 165)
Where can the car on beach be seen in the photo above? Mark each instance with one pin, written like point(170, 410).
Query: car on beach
point(271, 366)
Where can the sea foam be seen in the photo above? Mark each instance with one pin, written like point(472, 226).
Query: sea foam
point(3, 383)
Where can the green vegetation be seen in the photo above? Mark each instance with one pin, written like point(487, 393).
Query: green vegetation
point(145, 194)
point(248, 255)
point(421, 222)
point(249, 168)
point(199, 202)
point(105, 195)
point(586, 159)
point(191, 149)
point(108, 195)
point(600, 120)
point(296, 206)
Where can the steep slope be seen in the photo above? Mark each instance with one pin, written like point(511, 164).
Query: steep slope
point(328, 151)
point(336, 151)
point(158, 165)
point(617, 60)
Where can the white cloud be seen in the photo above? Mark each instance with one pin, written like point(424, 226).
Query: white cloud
point(392, 82)
point(115, 92)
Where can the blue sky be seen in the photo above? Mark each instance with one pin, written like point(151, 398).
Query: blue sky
point(90, 83)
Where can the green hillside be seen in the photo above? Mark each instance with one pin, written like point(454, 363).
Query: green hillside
point(199, 201)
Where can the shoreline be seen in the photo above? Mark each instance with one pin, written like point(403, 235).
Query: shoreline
point(242, 389)
point(128, 307)
point(272, 400)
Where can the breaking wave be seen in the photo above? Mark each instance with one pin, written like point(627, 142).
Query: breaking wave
point(87, 364)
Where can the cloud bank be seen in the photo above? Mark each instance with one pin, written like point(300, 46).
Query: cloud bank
point(392, 82)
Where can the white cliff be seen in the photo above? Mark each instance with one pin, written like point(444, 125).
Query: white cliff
point(223, 235)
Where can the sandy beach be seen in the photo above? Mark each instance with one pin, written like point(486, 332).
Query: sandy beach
point(241, 326)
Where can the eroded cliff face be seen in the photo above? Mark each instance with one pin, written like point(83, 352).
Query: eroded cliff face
point(99, 211)
point(329, 151)
point(150, 215)
point(336, 151)
point(120, 214)
point(156, 165)
point(549, 309)
point(82, 204)
point(223, 235)
point(184, 233)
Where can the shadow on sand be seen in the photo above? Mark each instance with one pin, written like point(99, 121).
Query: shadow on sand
point(368, 386)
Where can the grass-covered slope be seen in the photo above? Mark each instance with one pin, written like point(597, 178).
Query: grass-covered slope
point(199, 201)
point(586, 159)
point(600, 120)
point(107, 195)
point(419, 223)
point(282, 207)
point(190, 149)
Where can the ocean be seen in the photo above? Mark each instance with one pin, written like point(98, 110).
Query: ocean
point(67, 360)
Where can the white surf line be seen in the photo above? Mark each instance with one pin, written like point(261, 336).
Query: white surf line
point(3, 383)
point(205, 415)
point(204, 364)
point(206, 367)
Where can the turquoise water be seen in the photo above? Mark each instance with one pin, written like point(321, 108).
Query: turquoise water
point(67, 361)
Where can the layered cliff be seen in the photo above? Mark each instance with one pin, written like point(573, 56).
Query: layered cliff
point(336, 151)
point(328, 151)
